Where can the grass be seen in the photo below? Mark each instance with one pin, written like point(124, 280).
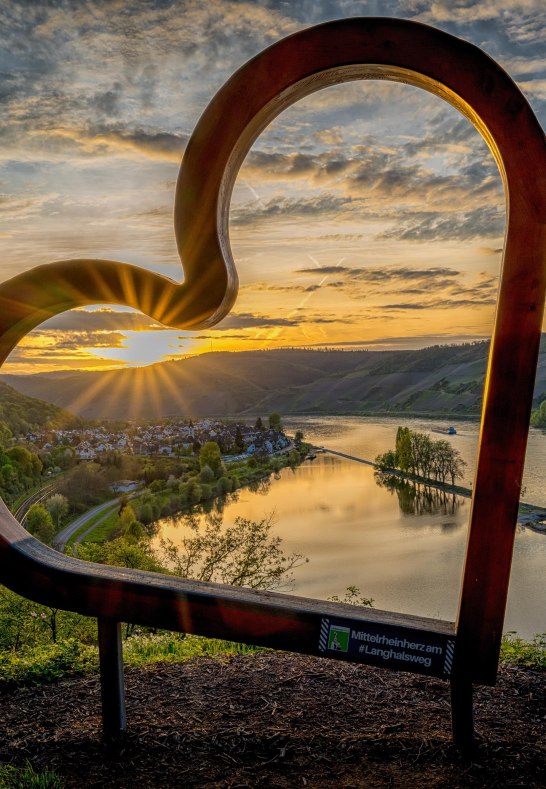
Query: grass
point(84, 527)
point(168, 647)
point(105, 529)
point(529, 654)
point(51, 662)
point(28, 778)
point(46, 663)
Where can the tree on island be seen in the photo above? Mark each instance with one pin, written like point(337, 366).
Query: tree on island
point(417, 454)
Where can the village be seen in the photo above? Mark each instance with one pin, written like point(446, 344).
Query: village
point(168, 438)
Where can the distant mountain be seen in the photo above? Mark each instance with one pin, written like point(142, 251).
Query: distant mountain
point(22, 413)
point(440, 380)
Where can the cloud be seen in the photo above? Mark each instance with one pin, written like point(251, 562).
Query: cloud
point(151, 143)
point(99, 320)
point(448, 170)
point(323, 270)
point(74, 341)
point(244, 337)
point(101, 141)
point(286, 207)
point(535, 88)
point(480, 223)
point(378, 274)
point(248, 320)
point(437, 287)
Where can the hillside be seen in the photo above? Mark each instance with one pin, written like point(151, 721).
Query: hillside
point(22, 413)
point(437, 380)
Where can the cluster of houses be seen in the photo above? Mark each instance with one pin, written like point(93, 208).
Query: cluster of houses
point(169, 439)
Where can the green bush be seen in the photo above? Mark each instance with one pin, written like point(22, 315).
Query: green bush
point(225, 485)
point(207, 475)
point(43, 664)
point(206, 492)
point(530, 654)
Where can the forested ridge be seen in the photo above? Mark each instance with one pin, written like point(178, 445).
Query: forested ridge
point(20, 413)
point(443, 379)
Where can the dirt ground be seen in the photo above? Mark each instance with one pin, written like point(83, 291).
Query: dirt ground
point(279, 720)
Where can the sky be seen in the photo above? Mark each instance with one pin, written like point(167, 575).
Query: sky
point(368, 215)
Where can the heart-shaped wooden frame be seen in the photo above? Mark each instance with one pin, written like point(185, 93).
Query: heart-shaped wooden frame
point(361, 48)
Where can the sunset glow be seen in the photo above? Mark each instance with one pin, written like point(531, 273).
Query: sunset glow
point(369, 215)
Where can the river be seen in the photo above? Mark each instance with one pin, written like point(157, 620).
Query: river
point(405, 550)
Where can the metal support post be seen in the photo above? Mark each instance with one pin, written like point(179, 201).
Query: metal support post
point(462, 714)
point(114, 720)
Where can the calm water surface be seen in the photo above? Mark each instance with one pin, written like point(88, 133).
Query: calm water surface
point(406, 552)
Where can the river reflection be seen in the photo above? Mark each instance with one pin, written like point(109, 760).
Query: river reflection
point(417, 499)
point(354, 533)
point(403, 547)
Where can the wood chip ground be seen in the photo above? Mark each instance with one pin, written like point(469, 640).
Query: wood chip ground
point(279, 720)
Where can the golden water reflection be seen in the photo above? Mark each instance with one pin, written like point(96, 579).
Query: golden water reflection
point(354, 532)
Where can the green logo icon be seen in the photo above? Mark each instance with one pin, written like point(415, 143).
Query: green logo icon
point(338, 638)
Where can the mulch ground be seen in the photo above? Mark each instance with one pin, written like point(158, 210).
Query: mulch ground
point(279, 720)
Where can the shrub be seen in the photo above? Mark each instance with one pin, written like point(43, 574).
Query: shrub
point(42, 664)
point(206, 475)
point(206, 492)
point(225, 485)
point(531, 654)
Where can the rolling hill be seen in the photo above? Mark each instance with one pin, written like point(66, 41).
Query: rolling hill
point(22, 413)
point(436, 380)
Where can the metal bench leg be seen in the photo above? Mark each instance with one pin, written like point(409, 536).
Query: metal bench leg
point(114, 720)
point(462, 714)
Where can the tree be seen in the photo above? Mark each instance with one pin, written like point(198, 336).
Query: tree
point(84, 484)
point(63, 456)
point(538, 418)
point(210, 455)
point(57, 506)
point(403, 450)
point(417, 453)
point(421, 447)
point(207, 475)
point(386, 461)
point(245, 554)
point(239, 440)
point(259, 424)
point(28, 464)
point(298, 438)
point(275, 421)
point(126, 517)
point(121, 552)
point(27, 624)
point(38, 522)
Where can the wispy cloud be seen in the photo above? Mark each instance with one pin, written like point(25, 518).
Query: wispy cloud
point(98, 101)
